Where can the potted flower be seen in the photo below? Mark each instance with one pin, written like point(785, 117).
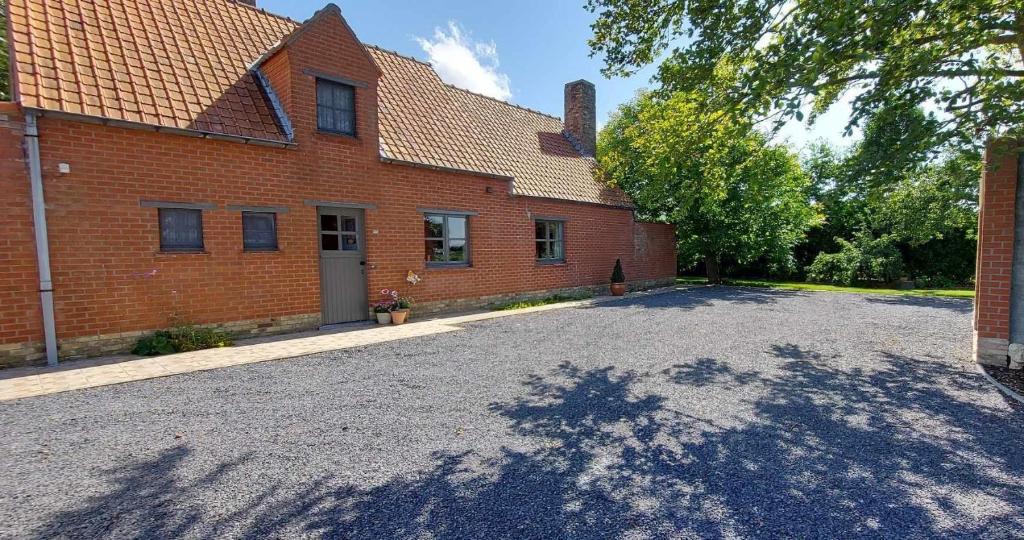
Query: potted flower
point(401, 311)
point(383, 312)
point(384, 307)
point(618, 279)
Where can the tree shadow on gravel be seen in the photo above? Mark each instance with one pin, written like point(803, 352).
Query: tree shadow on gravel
point(696, 297)
point(885, 452)
point(957, 305)
point(898, 450)
point(147, 501)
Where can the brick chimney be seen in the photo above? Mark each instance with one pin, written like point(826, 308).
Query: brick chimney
point(581, 116)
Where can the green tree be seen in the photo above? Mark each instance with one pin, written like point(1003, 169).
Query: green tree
point(962, 56)
point(729, 193)
point(5, 74)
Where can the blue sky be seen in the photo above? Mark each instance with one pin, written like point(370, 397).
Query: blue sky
point(522, 51)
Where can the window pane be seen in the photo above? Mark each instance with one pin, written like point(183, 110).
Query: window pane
point(335, 107)
point(541, 228)
point(343, 97)
point(433, 226)
point(456, 227)
point(554, 230)
point(349, 242)
point(259, 230)
point(457, 251)
point(542, 249)
point(329, 242)
point(181, 229)
point(328, 223)
point(348, 224)
point(434, 251)
point(557, 250)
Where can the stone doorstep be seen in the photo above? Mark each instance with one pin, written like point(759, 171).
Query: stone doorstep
point(41, 381)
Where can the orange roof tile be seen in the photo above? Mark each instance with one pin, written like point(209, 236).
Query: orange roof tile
point(181, 64)
point(186, 64)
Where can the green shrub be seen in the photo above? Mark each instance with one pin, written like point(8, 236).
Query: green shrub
point(865, 259)
point(881, 259)
point(153, 345)
point(838, 268)
point(617, 275)
point(181, 339)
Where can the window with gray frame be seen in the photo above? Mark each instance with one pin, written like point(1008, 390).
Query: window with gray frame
point(259, 231)
point(335, 107)
point(550, 236)
point(181, 229)
point(447, 239)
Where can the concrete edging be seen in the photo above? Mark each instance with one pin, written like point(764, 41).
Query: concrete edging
point(1002, 387)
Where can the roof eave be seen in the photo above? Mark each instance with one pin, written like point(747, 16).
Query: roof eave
point(143, 126)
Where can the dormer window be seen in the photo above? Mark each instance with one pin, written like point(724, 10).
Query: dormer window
point(335, 107)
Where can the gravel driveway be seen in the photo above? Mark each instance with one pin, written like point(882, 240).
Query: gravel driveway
point(712, 412)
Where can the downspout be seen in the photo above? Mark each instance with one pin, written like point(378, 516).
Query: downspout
point(35, 171)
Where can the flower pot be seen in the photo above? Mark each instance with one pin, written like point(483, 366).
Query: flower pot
point(384, 318)
point(618, 289)
point(398, 316)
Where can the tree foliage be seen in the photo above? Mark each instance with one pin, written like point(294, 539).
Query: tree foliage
point(924, 205)
point(729, 193)
point(5, 74)
point(963, 57)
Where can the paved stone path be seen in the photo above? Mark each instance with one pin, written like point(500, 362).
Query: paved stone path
point(36, 381)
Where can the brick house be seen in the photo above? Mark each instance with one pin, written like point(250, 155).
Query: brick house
point(209, 162)
point(998, 302)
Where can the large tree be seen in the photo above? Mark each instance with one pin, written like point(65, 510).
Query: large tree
point(730, 194)
point(5, 82)
point(962, 58)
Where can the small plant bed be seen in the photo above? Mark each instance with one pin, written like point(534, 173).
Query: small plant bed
point(802, 286)
point(181, 339)
point(553, 299)
point(1010, 378)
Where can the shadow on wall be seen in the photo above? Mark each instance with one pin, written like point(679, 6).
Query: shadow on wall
point(829, 452)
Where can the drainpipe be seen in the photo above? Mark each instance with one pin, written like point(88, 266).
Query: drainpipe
point(35, 172)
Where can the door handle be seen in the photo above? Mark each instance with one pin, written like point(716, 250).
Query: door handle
point(362, 263)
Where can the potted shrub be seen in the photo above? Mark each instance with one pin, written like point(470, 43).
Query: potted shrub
point(618, 279)
point(383, 312)
point(401, 310)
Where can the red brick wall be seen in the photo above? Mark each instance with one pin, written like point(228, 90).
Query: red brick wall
point(995, 250)
point(20, 315)
point(110, 277)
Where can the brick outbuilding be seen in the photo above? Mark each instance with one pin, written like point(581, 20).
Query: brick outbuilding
point(998, 303)
point(205, 161)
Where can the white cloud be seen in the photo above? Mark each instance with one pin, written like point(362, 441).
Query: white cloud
point(464, 63)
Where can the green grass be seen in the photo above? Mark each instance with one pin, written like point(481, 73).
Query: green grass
point(801, 286)
point(553, 299)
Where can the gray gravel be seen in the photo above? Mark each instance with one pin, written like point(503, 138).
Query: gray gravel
point(713, 412)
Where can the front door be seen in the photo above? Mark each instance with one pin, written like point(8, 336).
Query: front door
point(342, 265)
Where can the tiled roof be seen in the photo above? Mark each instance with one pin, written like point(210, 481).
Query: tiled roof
point(186, 64)
point(180, 64)
point(423, 120)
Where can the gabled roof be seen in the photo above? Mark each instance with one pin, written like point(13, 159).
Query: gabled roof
point(180, 64)
point(186, 64)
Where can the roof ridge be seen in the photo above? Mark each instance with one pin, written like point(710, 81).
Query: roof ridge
point(503, 102)
point(262, 10)
point(398, 54)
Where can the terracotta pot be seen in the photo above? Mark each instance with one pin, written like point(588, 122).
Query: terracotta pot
point(384, 318)
point(398, 316)
point(618, 289)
